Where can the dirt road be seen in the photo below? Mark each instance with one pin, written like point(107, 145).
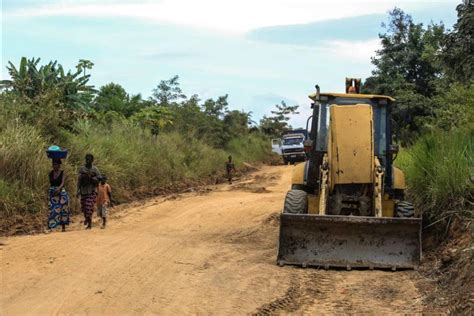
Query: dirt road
point(200, 252)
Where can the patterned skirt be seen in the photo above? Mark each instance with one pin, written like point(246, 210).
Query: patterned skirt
point(58, 208)
point(87, 204)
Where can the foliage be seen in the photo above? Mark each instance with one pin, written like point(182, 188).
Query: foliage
point(142, 145)
point(33, 84)
point(455, 108)
point(153, 118)
point(113, 97)
point(439, 169)
point(407, 57)
point(23, 166)
point(407, 68)
point(84, 64)
point(458, 56)
point(415, 66)
point(135, 160)
point(168, 92)
point(277, 124)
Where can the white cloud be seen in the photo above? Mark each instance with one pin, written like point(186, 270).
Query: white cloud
point(355, 51)
point(235, 16)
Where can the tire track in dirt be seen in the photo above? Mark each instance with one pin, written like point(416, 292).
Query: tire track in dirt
point(304, 289)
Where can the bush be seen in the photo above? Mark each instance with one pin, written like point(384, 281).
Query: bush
point(439, 171)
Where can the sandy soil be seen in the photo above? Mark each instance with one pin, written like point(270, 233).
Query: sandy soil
point(195, 253)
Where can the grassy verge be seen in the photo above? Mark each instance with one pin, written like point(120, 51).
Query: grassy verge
point(440, 173)
point(136, 163)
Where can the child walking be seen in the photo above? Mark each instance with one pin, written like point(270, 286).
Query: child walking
point(104, 199)
point(230, 169)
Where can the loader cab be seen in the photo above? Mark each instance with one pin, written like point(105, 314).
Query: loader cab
point(381, 109)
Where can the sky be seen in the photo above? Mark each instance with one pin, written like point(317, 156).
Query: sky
point(259, 52)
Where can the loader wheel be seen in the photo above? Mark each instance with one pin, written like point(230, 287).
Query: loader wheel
point(405, 209)
point(296, 202)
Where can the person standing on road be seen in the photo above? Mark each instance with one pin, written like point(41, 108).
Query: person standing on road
point(104, 199)
point(87, 182)
point(230, 169)
point(58, 198)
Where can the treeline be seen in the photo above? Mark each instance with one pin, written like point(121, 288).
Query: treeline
point(430, 71)
point(142, 145)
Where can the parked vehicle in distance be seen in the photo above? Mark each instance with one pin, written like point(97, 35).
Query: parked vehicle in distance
point(292, 147)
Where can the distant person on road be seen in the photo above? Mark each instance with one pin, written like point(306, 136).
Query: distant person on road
point(230, 169)
point(104, 199)
point(58, 198)
point(87, 182)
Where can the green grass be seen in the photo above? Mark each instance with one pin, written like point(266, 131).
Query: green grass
point(440, 174)
point(23, 166)
point(135, 161)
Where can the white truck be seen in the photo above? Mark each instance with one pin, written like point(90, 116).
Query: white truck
point(292, 148)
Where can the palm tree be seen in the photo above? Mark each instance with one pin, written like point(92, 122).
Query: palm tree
point(83, 65)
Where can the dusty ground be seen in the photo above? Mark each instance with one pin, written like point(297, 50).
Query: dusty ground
point(200, 253)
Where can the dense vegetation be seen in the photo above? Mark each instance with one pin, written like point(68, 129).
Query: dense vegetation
point(142, 145)
point(430, 71)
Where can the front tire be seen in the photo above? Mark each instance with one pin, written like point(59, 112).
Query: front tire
point(405, 209)
point(296, 202)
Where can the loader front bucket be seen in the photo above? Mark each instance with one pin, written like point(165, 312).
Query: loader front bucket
point(349, 241)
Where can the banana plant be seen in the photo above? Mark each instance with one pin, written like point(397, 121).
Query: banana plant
point(32, 82)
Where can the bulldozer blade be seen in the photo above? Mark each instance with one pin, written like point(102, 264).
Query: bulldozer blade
point(349, 241)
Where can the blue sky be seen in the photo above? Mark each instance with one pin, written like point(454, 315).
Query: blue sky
point(258, 52)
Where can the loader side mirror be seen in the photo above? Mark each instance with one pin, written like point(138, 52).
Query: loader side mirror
point(308, 145)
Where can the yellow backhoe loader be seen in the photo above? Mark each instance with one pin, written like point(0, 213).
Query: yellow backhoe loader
point(346, 205)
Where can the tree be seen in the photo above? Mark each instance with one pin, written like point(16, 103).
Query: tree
point(408, 68)
point(236, 123)
point(168, 92)
point(284, 111)
point(154, 118)
point(458, 56)
point(277, 124)
point(113, 97)
point(83, 65)
point(217, 107)
point(407, 59)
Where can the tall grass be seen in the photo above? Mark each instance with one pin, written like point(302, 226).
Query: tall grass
point(23, 167)
point(135, 161)
point(440, 173)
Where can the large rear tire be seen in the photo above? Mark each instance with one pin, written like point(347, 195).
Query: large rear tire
point(296, 202)
point(405, 209)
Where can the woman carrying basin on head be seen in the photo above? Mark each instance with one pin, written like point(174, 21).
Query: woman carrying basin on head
point(58, 197)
